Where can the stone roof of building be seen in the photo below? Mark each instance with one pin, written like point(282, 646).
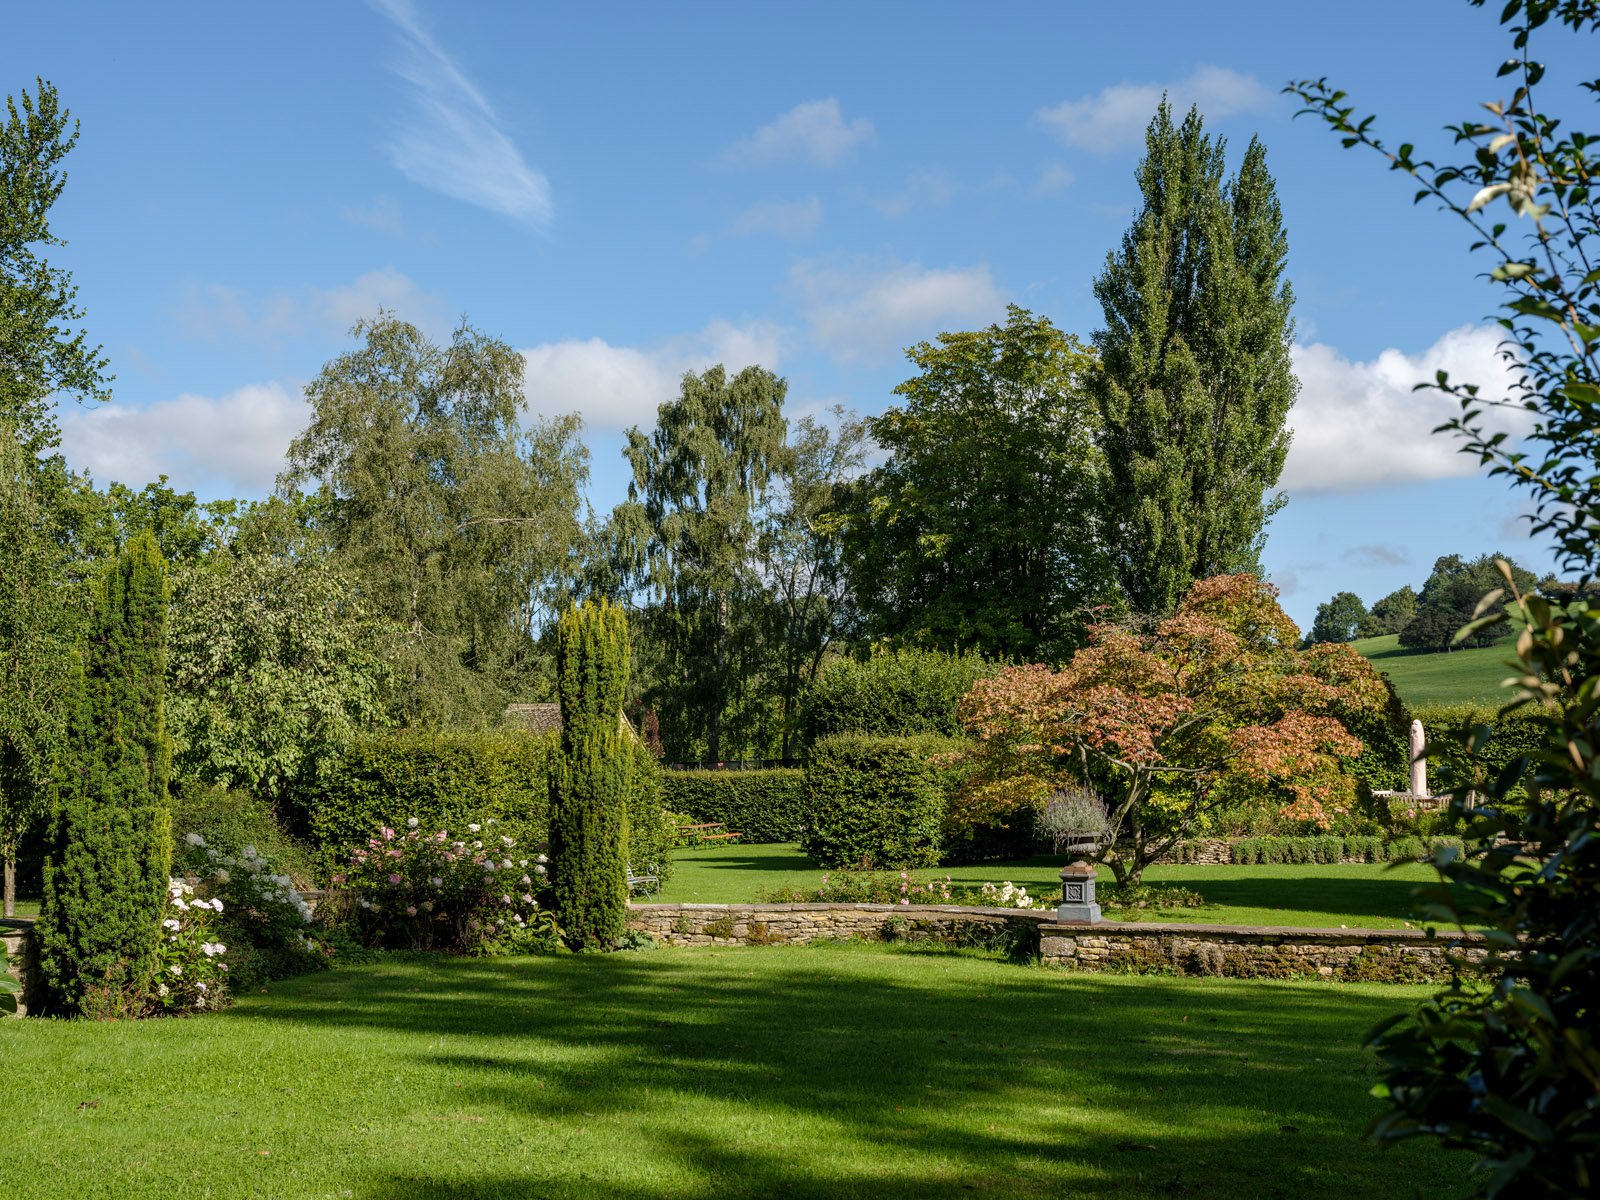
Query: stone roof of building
point(541, 718)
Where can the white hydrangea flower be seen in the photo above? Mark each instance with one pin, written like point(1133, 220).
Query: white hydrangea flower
point(194, 839)
point(474, 828)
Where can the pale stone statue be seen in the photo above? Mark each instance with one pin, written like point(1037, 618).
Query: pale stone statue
point(1419, 763)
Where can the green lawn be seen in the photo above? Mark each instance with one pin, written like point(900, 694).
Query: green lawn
point(820, 1071)
point(1358, 895)
point(1456, 677)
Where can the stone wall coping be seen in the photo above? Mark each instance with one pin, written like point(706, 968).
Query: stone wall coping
point(1038, 915)
point(1279, 933)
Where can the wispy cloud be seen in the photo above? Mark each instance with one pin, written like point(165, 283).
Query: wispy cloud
point(613, 387)
point(454, 142)
point(1053, 179)
point(814, 133)
point(1379, 554)
point(1115, 118)
point(1361, 425)
point(383, 215)
point(781, 218)
point(215, 311)
point(871, 310)
point(923, 189)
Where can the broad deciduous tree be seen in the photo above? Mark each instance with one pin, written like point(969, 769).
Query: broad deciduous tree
point(1339, 620)
point(1195, 381)
point(35, 639)
point(40, 356)
point(453, 511)
point(1171, 721)
point(979, 532)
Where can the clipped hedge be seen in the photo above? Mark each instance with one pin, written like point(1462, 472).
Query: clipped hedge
point(1330, 848)
point(1448, 726)
point(900, 692)
point(760, 806)
point(650, 828)
point(448, 779)
point(443, 779)
point(874, 801)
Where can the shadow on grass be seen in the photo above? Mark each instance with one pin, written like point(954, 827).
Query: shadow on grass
point(827, 1072)
point(1362, 897)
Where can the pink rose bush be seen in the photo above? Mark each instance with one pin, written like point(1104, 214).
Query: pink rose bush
point(415, 890)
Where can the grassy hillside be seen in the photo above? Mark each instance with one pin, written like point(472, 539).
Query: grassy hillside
point(1453, 677)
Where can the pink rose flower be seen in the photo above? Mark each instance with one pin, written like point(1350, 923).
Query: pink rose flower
point(394, 879)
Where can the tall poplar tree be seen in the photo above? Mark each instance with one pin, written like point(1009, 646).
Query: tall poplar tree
point(1196, 383)
point(110, 849)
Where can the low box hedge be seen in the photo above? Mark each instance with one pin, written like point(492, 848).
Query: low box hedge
point(1323, 848)
point(760, 806)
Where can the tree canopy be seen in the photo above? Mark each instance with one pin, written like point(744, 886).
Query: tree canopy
point(1196, 382)
point(1170, 721)
point(40, 356)
point(978, 532)
point(452, 510)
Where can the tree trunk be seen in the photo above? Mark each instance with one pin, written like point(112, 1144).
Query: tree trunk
point(10, 885)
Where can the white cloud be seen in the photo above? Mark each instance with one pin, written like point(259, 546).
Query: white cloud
point(216, 311)
point(454, 143)
point(231, 444)
point(1360, 425)
point(613, 387)
point(781, 218)
point(815, 133)
point(863, 311)
point(1115, 119)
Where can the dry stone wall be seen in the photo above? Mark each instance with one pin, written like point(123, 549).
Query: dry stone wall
point(1388, 955)
point(17, 939)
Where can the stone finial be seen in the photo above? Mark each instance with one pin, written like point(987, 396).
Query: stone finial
point(1419, 761)
point(1078, 906)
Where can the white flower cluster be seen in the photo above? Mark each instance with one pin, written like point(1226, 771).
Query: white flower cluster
point(256, 880)
point(1007, 895)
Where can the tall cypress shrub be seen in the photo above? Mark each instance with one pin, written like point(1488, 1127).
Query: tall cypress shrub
point(110, 850)
point(590, 777)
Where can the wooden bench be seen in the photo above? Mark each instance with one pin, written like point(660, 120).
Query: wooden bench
point(697, 834)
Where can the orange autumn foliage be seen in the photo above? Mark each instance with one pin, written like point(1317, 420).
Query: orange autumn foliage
point(1215, 692)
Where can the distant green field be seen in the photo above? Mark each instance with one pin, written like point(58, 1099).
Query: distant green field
point(1453, 677)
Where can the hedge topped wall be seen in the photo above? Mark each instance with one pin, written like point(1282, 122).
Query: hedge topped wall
point(761, 806)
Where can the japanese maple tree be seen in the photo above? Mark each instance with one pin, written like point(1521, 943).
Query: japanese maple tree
point(1175, 720)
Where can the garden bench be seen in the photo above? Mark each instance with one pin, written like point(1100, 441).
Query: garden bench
point(646, 883)
point(707, 831)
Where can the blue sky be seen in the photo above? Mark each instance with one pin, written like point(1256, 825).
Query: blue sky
point(628, 191)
